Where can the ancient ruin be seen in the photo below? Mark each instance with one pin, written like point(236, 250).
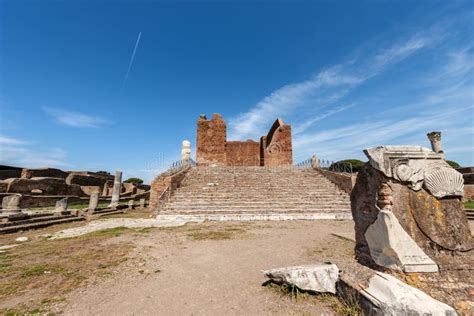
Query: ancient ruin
point(409, 217)
point(213, 148)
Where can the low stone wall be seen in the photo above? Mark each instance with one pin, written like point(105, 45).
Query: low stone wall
point(47, 186)
point(468, 192)
point(30, 201)
point(344, 181)
point(10, 173)
point(161, 182)
point(44, 172)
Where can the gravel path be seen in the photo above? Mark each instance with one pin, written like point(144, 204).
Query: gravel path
point(187, 271)
point(114, 223)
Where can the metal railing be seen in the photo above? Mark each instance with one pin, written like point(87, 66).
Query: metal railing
point(345, 167)
point(178, 165)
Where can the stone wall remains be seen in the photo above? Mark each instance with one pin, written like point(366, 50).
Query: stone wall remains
point(344, 181)
point(211, 140)
point(274, 149)
point(43, 172)
point(162, 182)
point(277, 149)
point(245, 153)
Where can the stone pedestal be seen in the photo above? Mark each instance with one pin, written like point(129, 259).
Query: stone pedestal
point(131, 204)
point(142, 203)
point(61, 207)
point(93, 202)
point(116, 190)
point(11, 208)
point(11, 204)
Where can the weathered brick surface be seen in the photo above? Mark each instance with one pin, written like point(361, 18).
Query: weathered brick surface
point(163, 181)
point(212, 147)
point(278, 149)
point(344, 181)
point(211, 140)
point(243, 153)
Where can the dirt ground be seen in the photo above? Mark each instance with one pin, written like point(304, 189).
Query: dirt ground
point(213, 268)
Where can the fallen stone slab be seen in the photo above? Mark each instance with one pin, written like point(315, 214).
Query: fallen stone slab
point(392, 247)
point(394, 297)
point(377, 293)
point(320, 278)
point(114, 223)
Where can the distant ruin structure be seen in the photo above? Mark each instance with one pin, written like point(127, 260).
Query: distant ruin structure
point(213, 148)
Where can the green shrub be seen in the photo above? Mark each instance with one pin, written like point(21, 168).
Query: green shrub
point(134, 180)
point(345, 165)
point(453, 164)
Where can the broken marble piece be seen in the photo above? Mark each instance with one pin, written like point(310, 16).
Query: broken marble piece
point(391, 247)
point(319, 278)
point(417, 166)
point(393, 297)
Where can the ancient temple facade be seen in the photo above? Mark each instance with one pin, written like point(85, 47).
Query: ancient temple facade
point(213, 148)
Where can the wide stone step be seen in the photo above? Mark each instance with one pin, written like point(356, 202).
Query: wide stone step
point(253, 211)
point(216, 207)
point(39, 224)
point(237, 200)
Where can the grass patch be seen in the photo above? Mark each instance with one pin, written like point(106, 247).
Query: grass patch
point(289, 290)
point(298, 295)
point(469, 204)
point(340, 307)
point(225, 233)
point(111, 232)
point(40, 272)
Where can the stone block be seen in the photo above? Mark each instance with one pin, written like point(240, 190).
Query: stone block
point(391, 247)
point(11, 203)
point(393, 297)
point(43, 173)
point(93, 202)
point(320, 278)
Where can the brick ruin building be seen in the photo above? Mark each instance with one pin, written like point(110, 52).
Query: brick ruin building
point(213, 148)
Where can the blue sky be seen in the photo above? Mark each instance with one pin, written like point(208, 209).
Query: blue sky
point(108, 85)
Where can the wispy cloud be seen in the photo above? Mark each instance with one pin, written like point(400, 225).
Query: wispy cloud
point(20, 153)
point(132, 58)
point(5, 141)
point(323, 89)
point(75, 119)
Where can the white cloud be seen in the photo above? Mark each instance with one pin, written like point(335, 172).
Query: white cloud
point(323, 89)
point(17, 152)
point(75, 119)
point(5, 140)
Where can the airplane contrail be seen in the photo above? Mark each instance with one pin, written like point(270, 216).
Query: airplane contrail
point(132, 58)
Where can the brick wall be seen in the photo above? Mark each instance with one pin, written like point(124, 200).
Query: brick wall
point(243, 153)
point(212, 147)
point(211, 140)
point(277, 149)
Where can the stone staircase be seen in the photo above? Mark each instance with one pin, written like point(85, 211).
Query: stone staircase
point(256, 193)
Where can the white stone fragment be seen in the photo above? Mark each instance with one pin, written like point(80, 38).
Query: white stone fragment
point(22, 239)
point(392, 247)
point(393, 297)
point(319, 278)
